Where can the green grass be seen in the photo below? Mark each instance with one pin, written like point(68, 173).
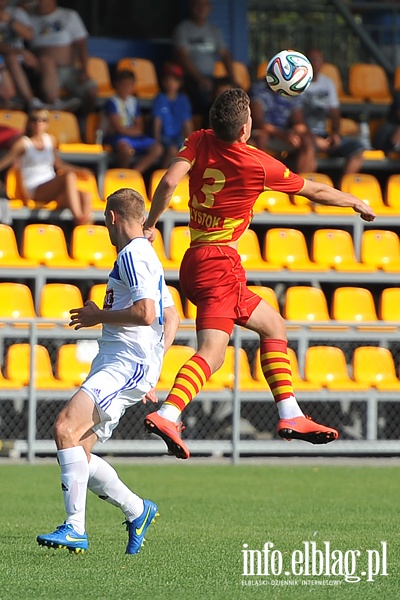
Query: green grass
point(194, 550)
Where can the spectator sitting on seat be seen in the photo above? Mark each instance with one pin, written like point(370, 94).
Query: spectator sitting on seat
point(387, 135)
point(172, 113)
point(44, 176)
point(124, 130)
point(197, 45)
point(278, 127)
point(15, 31)
point(59, 38)
point(319, 102)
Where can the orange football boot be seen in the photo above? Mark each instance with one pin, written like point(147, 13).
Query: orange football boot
point(169, 432)
point(304, 428)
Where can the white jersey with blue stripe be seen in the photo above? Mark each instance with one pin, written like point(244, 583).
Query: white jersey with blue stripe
point(137, 274)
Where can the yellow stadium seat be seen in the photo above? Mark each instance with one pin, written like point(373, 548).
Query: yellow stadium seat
point(90, 244)
point(389, 304)
point(100, 73)
point(392, 192)
point(326, 366)
point(71, 367)
point(97, 293)
point(367, 188)
point(224, 377)
point(374, 366)
point(87, 183)
point(14, 118)
point(46, 244)
point(190, 310)
point(16, 302)
point(318, 177)
point(9, 254)
point(279, 202)
point(369, 82)
point(250, 253)
point(179, 243)
point(56, 300)
point(333, 248)
point(240, 73)
point(357, 305)
point(115, 179)
point(332, 71)
point(306, 303)
point(65, 127)
point(6, 384)
point(288, 248)
point(158, 246)
point(145, 73)
point(380, 249)
point(17, 366)
point(17, 195)
point(176, 297)
point(180, 197)
point(299, 384)
point(267, 294)
point(262, 69)
point(176, 356)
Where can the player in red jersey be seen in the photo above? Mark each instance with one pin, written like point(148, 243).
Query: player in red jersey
point(225, 178)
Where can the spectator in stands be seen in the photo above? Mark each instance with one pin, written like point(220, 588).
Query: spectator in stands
point(15, 31)
point(44, 176)
point(197, 45)
point(124, 130)
point(387, 135)
point(59, 40)
point(278, 127)
point(320, 103)
point(7, 88)
point(172, 113)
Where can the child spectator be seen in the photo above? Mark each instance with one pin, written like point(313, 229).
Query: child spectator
point(172, 113)
point(124, 129)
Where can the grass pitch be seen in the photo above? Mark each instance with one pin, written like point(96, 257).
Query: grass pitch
point(194, 551)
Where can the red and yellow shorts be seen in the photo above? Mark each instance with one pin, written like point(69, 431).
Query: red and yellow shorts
point(213, 278)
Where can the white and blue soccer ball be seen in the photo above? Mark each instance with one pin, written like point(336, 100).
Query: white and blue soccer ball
point(289, 73)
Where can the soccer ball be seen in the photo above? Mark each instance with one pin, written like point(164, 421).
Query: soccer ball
point(289, 73)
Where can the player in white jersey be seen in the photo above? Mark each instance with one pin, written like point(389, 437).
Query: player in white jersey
point(139, 323)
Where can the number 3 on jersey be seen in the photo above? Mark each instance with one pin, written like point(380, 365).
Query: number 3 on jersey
point(209, 190)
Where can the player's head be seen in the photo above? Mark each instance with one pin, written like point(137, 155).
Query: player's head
point(230, 115)
point(125, 209)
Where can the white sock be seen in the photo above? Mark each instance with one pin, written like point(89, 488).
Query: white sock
point(74, 478)
point(289, 409)
point(105, 483)
point(170, 412)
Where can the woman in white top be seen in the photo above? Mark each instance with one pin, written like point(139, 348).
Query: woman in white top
point(44, 176)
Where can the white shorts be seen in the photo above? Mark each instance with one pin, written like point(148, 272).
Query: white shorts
point(114, 384)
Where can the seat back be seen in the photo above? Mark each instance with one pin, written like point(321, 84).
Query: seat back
point(325, 365)
point(100, 73)
point(285, 246)
point(179, 242)
point(115, 179)
point(9, 253)
point(176, 297)
point(97, 294)
point(146, 85)
point(331, 247)
point(180, 197)
point(267, 294)
point(353, 304)
point(64, 126)
point(249, 248)
point(43, 242)
point(91, 244)
point(372, 365)
point(380, 248)
point(364, 186)
point(369, 82)
point(17, 364)
point(274, 202)
point(14, 118)
point(332, 71)
point(319, 177)
point(305, 303)
point(16, 301)
point(56, 300)
point(389, 304)
point(392, 193)
point(176, 356)
point(71, 366)
point(240, 73)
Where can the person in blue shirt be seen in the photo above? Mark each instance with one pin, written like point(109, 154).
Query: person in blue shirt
point(124, 129)
point(172, 113)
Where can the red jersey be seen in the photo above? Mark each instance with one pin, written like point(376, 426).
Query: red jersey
point(225, 182)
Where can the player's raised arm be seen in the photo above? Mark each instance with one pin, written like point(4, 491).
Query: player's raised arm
point(163, 193)
point(326, 194)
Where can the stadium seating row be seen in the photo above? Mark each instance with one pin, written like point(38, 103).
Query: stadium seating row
point(45, 244)
point(325, 367)
point(301, 303)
